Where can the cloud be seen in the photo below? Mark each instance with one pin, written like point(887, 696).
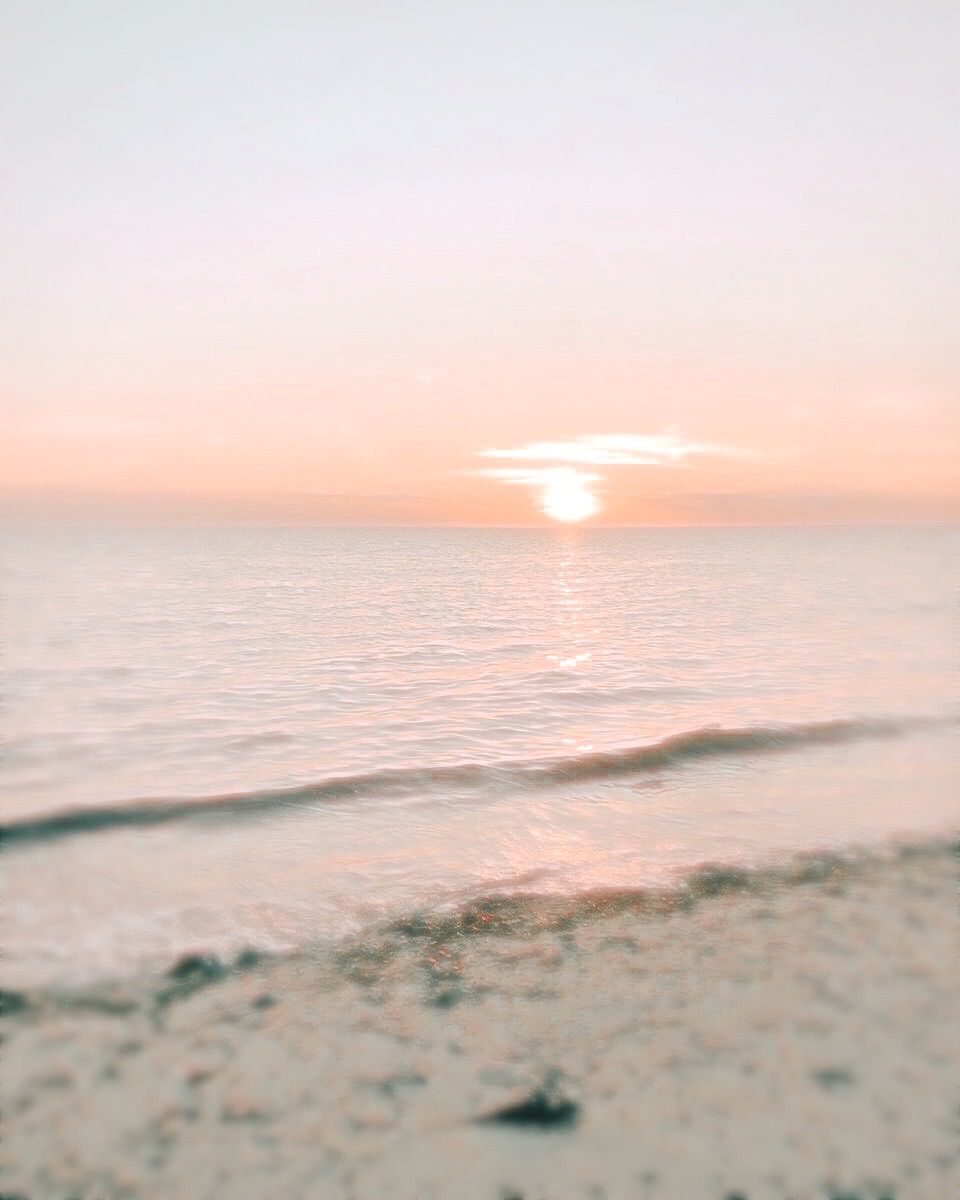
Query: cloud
point(617, 449)
point(538, 476)
point(566, 459)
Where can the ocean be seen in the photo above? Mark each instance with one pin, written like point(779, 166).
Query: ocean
point(267, 738)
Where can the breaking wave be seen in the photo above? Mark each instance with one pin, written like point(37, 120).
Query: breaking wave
point(709, 742)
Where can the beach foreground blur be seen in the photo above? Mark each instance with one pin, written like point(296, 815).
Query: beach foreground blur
point(783, 1035)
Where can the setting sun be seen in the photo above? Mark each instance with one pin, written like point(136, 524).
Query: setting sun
point(566, 497)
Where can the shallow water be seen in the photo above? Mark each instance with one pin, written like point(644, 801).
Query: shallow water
point(451, 712)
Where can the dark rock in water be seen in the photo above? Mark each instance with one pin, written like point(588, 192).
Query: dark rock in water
point(546, 1107)
point(11, 1002)
point(197, 966)
point(263, 1001)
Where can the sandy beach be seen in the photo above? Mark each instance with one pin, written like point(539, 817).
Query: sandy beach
point(784, 1035)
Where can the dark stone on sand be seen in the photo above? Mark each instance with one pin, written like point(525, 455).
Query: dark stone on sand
point(10, 1003)
point(248, 958)
point(716, 880)
point(545, 1108)
point(111, 1004)
point(197, 966)
point(817, 869)
point(833, 1077)
point(446, 997)
point(189, 974)
point(264, 1001)
point(860, 1196)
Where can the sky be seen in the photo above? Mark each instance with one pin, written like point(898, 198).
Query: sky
point(420, 262)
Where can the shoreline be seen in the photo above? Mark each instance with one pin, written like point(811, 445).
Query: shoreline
point(780, 1034)
point(703, 742)
point(131, 900)
point(521, 912)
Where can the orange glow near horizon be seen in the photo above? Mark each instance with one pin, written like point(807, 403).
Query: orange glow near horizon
point(363, 463)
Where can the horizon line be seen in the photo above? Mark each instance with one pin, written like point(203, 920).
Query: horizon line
point(543, 526)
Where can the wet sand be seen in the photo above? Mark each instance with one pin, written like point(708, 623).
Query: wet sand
point(785, 1035)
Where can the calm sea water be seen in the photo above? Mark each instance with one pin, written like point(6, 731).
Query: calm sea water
point(228, 737)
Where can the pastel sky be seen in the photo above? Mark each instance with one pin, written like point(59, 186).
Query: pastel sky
point(390, 262)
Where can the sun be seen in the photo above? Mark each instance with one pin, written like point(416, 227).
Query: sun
point(566, 497)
